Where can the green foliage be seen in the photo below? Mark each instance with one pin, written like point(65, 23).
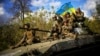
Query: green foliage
point(93, 25)
point(9, 35)
point(98, 8)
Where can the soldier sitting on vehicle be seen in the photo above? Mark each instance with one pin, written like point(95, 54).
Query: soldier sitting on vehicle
point(56, 29)
point(69, 18)
point(66, 30)
point(68, 24)
point(79, 22)
point(79, 18)
point(28, 37)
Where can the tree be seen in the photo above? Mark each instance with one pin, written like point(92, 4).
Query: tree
point(98, 9)
point(93, 25)
point(20, 7)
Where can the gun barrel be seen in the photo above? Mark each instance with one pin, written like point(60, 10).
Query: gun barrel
point(35, 29)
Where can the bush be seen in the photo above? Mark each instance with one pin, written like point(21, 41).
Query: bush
point(9, 35)
point(93, 25)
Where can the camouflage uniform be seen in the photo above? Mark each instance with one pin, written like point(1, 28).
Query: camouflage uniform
point(57, 26)
point(69, 19)
point(79, 21)
point(55, 32)
point(66, 31)
point(79, 18)
point(28, 37)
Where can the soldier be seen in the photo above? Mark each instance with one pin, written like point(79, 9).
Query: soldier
point(66, 30)
point(79, 18)
point(69, 19)
point(79, 15)
point(68, 25)
point(57, 24)
point(79, 21)
point(59, 20)
point(28, 36)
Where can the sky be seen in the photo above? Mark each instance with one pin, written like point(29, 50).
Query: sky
point(85, 5)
